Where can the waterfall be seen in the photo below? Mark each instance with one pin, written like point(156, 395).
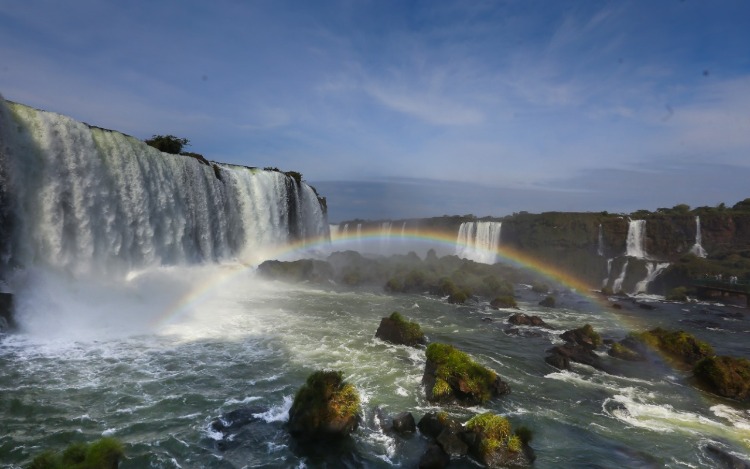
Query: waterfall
point(697, 249)
point(334, 230)
point(403, 230)
point(609, 272)
point(345, 231)
point(85, 200)
point(653, 269)
point(600, 244)
point(636, 238)
point(479, 241)
point(617, 285)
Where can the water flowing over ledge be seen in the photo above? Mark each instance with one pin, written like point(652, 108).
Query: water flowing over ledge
point(85, 199)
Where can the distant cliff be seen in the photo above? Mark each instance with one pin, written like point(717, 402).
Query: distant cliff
point(637, 252)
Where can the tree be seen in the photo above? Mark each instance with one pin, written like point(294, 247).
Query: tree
point(168, 143)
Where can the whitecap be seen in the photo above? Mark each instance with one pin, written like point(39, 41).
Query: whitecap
point(279, 413)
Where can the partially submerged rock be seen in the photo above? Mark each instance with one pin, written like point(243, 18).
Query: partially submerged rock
point(505, 301)
point(237, 418)
point(623, 352)
point(521, 319)
point(584, 336)
point(398, 330)
point(725, 376)
point(451, 375)
point(560, 356)
point(677, 345)
point(549, 302)
point(495, 445)
point(325, 407)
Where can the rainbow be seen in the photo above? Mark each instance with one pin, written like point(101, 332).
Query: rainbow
point(430, 237)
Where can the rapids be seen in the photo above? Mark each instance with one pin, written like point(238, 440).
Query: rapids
point(155, 359)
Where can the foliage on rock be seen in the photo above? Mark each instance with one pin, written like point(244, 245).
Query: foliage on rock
point(725, 376)
point(452, 374)
point(678, 345)
point(102, 454)
point(397, 329)
point(324, 407)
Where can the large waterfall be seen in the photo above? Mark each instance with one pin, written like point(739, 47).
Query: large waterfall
point(479, 241)
point(636, 239)
point(84, 199)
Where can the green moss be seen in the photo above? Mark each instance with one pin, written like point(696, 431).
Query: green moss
point(410, 330)
point(506, 301)
point(726, 376)
point(490, 425)
point(458, 370)
point(441, 389)
point(677, 294)
point(458, 298)
point(514, 444)
point(589, 332)
point(677, 344)
point(620, 351)
point(326, 395)
point(102, 454)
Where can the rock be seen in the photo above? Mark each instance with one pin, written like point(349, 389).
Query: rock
point(397, 330)
point(678, 345)
point(451, 375)
point(297, 271)
point(434, 458)
point(728, 461)
point(237, 418)
point(616, 306)
point(549, 302)
point(646, 306)
point(450, 440)
point(521, 319)
point(503, 302)
point(523, 332)
point(404, 423)
point(7, 322)
point(618, 350)
point(560, 357)
point(584, 336)
point(494, 445)
point(432, 423)
point(725, 376)
point(487, 319)
point(325, 407)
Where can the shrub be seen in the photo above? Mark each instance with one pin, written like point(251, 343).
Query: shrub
point(167, 143)
point(102, 454)
point(677, 294)
point(726, 376)
point(459, 372)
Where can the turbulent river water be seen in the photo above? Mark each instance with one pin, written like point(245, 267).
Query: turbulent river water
point(155, 358)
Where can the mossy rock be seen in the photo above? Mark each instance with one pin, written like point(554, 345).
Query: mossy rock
point(458, 298)
point(548, 302)
point(677, 294)
point(540, 288)
point(101, 454)
point(325, 407)
point(618, 350)
point(505, 301)
point(495, 444)
point(677, 345)
point(725, 376)
point(398, 330)
point(585, 336)
point(451, 375)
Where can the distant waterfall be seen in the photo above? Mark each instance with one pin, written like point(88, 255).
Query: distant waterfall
point(84, 199)
point(697, 249)
point(334, 230)
point(617, 285)
point(653, 269)
point(609, 272)
point(636, 239)
point(479, 241)
point(600, 244)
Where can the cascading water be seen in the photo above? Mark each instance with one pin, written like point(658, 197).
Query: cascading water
point(609, 272)
point(636, 239)
point(697, 249)
point(600, 242)
point(617, 285)
point(653, 269)
point(479, 241)
point(84, 199)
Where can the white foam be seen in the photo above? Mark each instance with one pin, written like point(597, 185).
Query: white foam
point(279, 413)
point(246, 400)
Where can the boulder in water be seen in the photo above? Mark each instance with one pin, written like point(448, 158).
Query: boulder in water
point(584, 336)
point(521, 319)
point(404, 423)
point(237, 418)
point(506, 301)
point(623, 352)
point(398, 330)
point(495, 445)
point(560, 356)
point(678, 345)
point(548, 301)
point(451, 375)
point(725, 376)
point(434, 458)
point(325, 407)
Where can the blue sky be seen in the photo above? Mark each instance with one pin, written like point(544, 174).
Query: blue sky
point(415, 108)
